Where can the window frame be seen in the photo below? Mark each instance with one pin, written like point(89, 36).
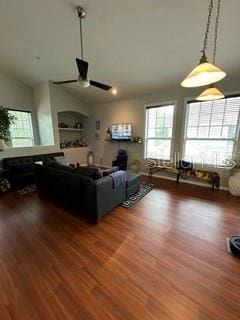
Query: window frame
point(31, 128)
point(155, 105)
point(236, 146)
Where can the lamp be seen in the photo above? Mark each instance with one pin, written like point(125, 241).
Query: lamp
point(2, 145)
point(204, 73)
point(212, 93)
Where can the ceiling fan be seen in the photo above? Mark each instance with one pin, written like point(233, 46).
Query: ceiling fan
point(82, 65)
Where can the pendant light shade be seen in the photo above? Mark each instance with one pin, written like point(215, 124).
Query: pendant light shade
point(212, 93)
point(203, 74)
point(206, 73)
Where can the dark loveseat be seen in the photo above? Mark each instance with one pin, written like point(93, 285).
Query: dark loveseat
point(80, 189)
point(20, 170)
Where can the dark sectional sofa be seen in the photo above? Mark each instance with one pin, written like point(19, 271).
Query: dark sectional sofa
point(87, 190)
point(20, 170)
point(81, 189)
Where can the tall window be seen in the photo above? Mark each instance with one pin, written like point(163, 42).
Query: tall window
point(21, 132)
point(211, 130)
point(158, 134)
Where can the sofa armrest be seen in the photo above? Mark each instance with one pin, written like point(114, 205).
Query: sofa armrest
point(108, 197)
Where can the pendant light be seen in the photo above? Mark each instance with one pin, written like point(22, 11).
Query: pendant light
point(204, 73)
point(212, 93)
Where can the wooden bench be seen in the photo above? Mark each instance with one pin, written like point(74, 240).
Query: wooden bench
point(211, 177)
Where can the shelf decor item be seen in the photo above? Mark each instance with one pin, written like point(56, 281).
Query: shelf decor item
point(108, 134)
point(90, 158)
point(78, 125)
point(62, 125)
point(98, 125)
point(6, 119)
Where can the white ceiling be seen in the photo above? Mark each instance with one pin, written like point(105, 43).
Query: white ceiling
point(139, 46)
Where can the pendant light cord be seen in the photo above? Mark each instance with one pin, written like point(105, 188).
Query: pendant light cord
point(216, 31)
point(205, 43)
point(81, 37)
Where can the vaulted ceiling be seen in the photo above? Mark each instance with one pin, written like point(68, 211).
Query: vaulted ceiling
point(139, 46)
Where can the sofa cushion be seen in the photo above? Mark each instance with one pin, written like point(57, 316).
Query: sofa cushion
point(91, 172)
point(61, 160)
point(54, 164)
point(21, 168)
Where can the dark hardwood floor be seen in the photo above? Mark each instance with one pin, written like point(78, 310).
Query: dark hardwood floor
point(164, 258)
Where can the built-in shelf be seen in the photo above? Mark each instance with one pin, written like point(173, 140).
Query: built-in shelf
point(70, 129)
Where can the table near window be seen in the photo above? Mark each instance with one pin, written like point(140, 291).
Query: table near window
point(4, 183)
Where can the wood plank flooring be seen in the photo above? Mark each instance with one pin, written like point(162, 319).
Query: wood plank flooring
point(164, 258)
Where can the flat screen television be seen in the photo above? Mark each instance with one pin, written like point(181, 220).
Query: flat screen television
point(122, 131)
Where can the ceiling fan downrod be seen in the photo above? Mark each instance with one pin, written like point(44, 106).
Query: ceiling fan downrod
point(81, 14)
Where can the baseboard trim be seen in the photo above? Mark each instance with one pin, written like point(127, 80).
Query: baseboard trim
point(205, 185)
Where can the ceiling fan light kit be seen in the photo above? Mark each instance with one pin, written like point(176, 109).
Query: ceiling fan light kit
point(82, 65)
point(206, 73)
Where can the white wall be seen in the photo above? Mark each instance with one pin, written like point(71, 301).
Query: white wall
point(44, 113)
point(14, 93)
point(133, 111)
point(52, 99)
point(62, 101)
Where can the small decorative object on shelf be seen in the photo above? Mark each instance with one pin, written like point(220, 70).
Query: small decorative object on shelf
point(62, 125)
point(78, 125)
point(90, 158)
point(79, 143)
point(98, 125)
point(108, 134)
point(97, 136)
point(137, 139)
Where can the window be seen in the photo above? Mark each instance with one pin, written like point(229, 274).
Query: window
point(211, 130)
point(21, 132)
point(158, 134)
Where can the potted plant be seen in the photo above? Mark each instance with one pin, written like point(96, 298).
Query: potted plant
point(6, 119)
point(234, 179)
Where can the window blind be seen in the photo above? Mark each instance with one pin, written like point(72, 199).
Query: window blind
point(21, 132)
point(158, 133)
point(211, 130)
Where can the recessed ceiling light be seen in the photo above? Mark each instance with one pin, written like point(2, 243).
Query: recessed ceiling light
point(114, 91)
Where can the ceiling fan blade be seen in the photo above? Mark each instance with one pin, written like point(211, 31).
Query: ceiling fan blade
point(82, 68)
point(62, 82)
point(100, 85)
